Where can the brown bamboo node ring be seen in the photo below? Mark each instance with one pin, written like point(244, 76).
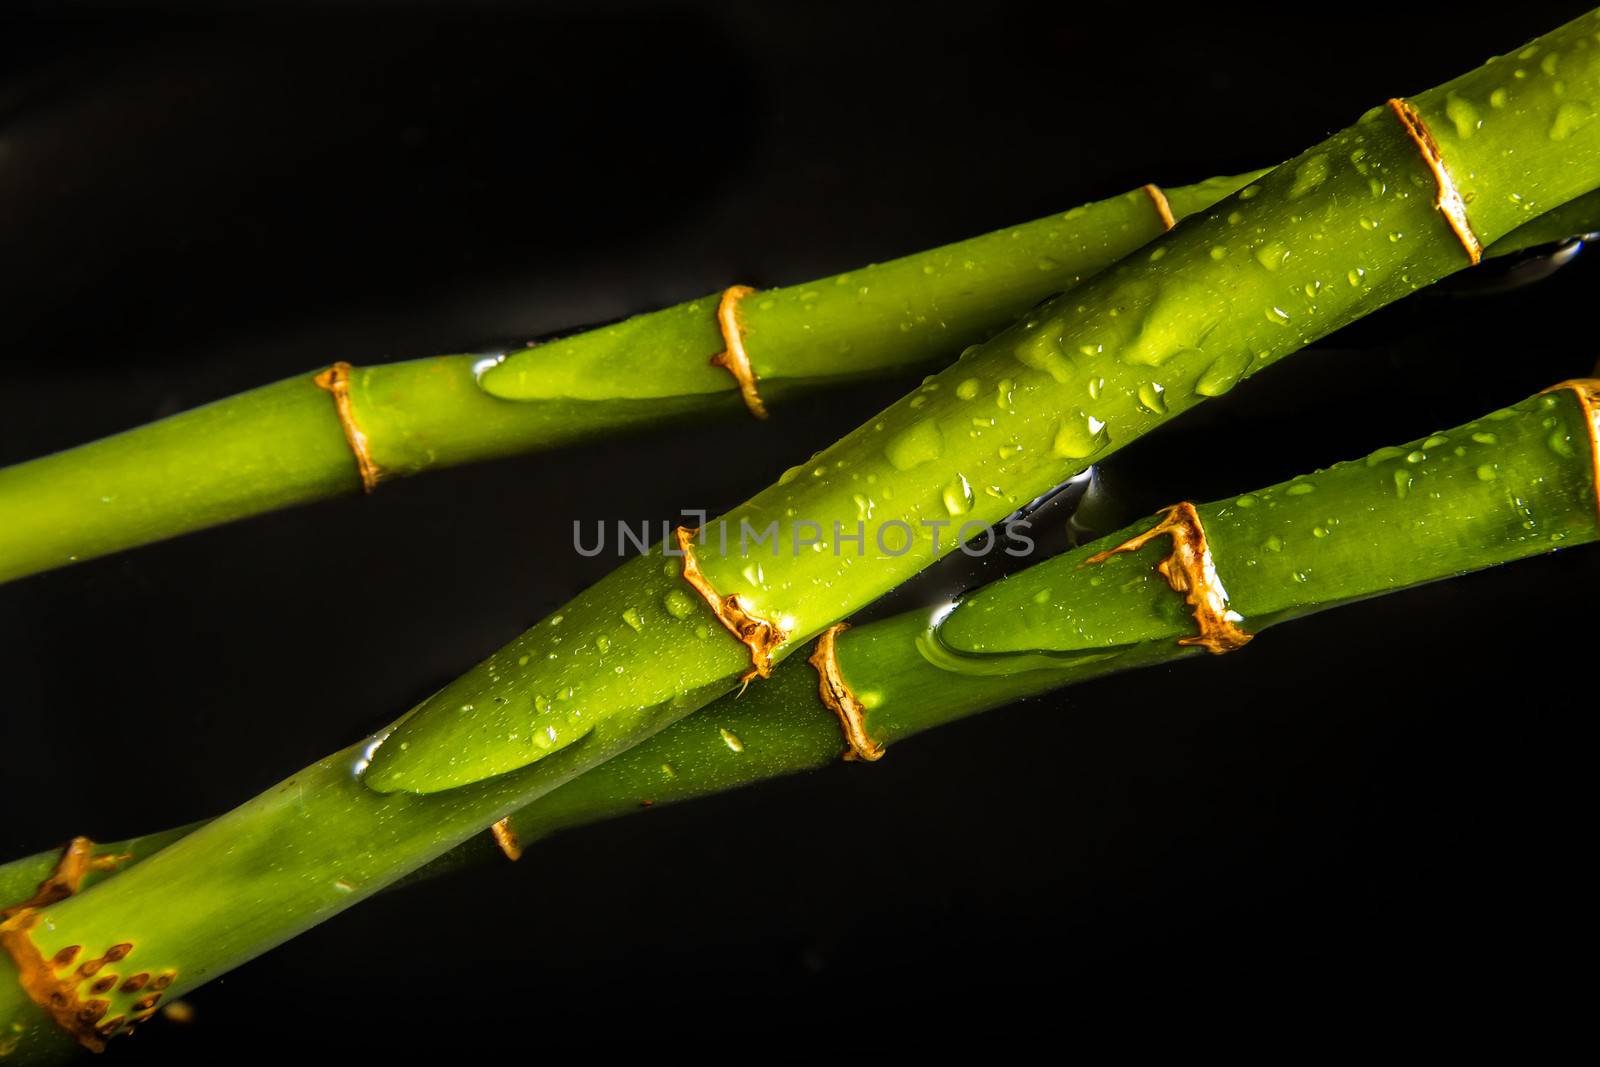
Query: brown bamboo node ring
point(53, 983)
point(1448, 200)
point(1587, 390)
point(76, 861)
point(838, 698)
point(1190, 570)
point(336, 380)
point(1158, 197)
point(761, 636)
point(505, 838)
point(733, 358)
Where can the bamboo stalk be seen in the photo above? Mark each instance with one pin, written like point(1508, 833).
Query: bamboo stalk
point(284, 444)
point(1350, 225)
point(288, 443)
point(1516, 483)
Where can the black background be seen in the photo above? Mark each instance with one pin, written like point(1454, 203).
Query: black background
point(1372, 819)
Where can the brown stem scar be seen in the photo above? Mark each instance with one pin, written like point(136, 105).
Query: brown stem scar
point(1448, 200)
point(755, 633)
point(1587, 390)
point(76, 861)
point(336, 380)
point(53, 983)
point(838, 698)
point(1191, 571)
point(1164, 209)
point(506, 838)
point(733, 358)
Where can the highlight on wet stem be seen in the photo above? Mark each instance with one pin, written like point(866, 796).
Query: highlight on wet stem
point(769, 520)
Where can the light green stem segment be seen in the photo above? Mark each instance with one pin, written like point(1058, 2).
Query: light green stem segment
point(282, 444)
point(1346, 227)
point(1516, 483)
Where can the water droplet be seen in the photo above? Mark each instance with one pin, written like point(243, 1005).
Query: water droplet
point(864, 506)
point(1570, 118)
point(1560, 444)
point(1047, 264)
point(1384, 454)
point(678, 604)
point(1300, 489)
point(1497, 99)
point(969, 389)
point(1219, 252)
point(1460, 111)
point(1319, 531)
point(1003, 398)
point(1487, 472)
point(1153, 397)
point(1368, 223)
point(1095, 385)
point(1416, 457)
point(912, 447)
point(1356, 276)
point(1246, 501)
point(1278, 315)
point(1223, 374)
point(1080, 435)
point(1007, 451)
point(958, 496)
point(1042, 352)
point(1485, 438)
point(1402, 482)
point(632, 618)
point(603, 643)
point(1272, 255)
point(1273, 543)
point(1435, 441)
point(731, 739)
point(1308, 176)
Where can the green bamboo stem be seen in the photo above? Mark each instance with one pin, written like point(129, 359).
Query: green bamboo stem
point(1516, 483)
point(283, 444)
point(632, 656)
point(1346, 227)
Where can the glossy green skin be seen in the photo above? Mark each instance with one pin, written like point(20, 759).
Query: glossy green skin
point(281, 445)
point(1346, 227)
point(209, 898)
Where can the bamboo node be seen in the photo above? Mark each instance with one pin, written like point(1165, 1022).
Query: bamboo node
point(1163, 209)
point(506, 839)
point(759, 635)
point(336, 380)
point(839, 699)
point(1190, 570)
point(1448, 200)
point(53, 983)
point(76, 861)
point(733, 358)
point(1587, 390)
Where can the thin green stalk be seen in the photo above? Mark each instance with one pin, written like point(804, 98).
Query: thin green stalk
point(283, 444)
point(1516, 483)
point(1341, 230)
point(1228, 291)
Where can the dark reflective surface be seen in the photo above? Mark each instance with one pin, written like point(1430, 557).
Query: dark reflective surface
point(1370, 816)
